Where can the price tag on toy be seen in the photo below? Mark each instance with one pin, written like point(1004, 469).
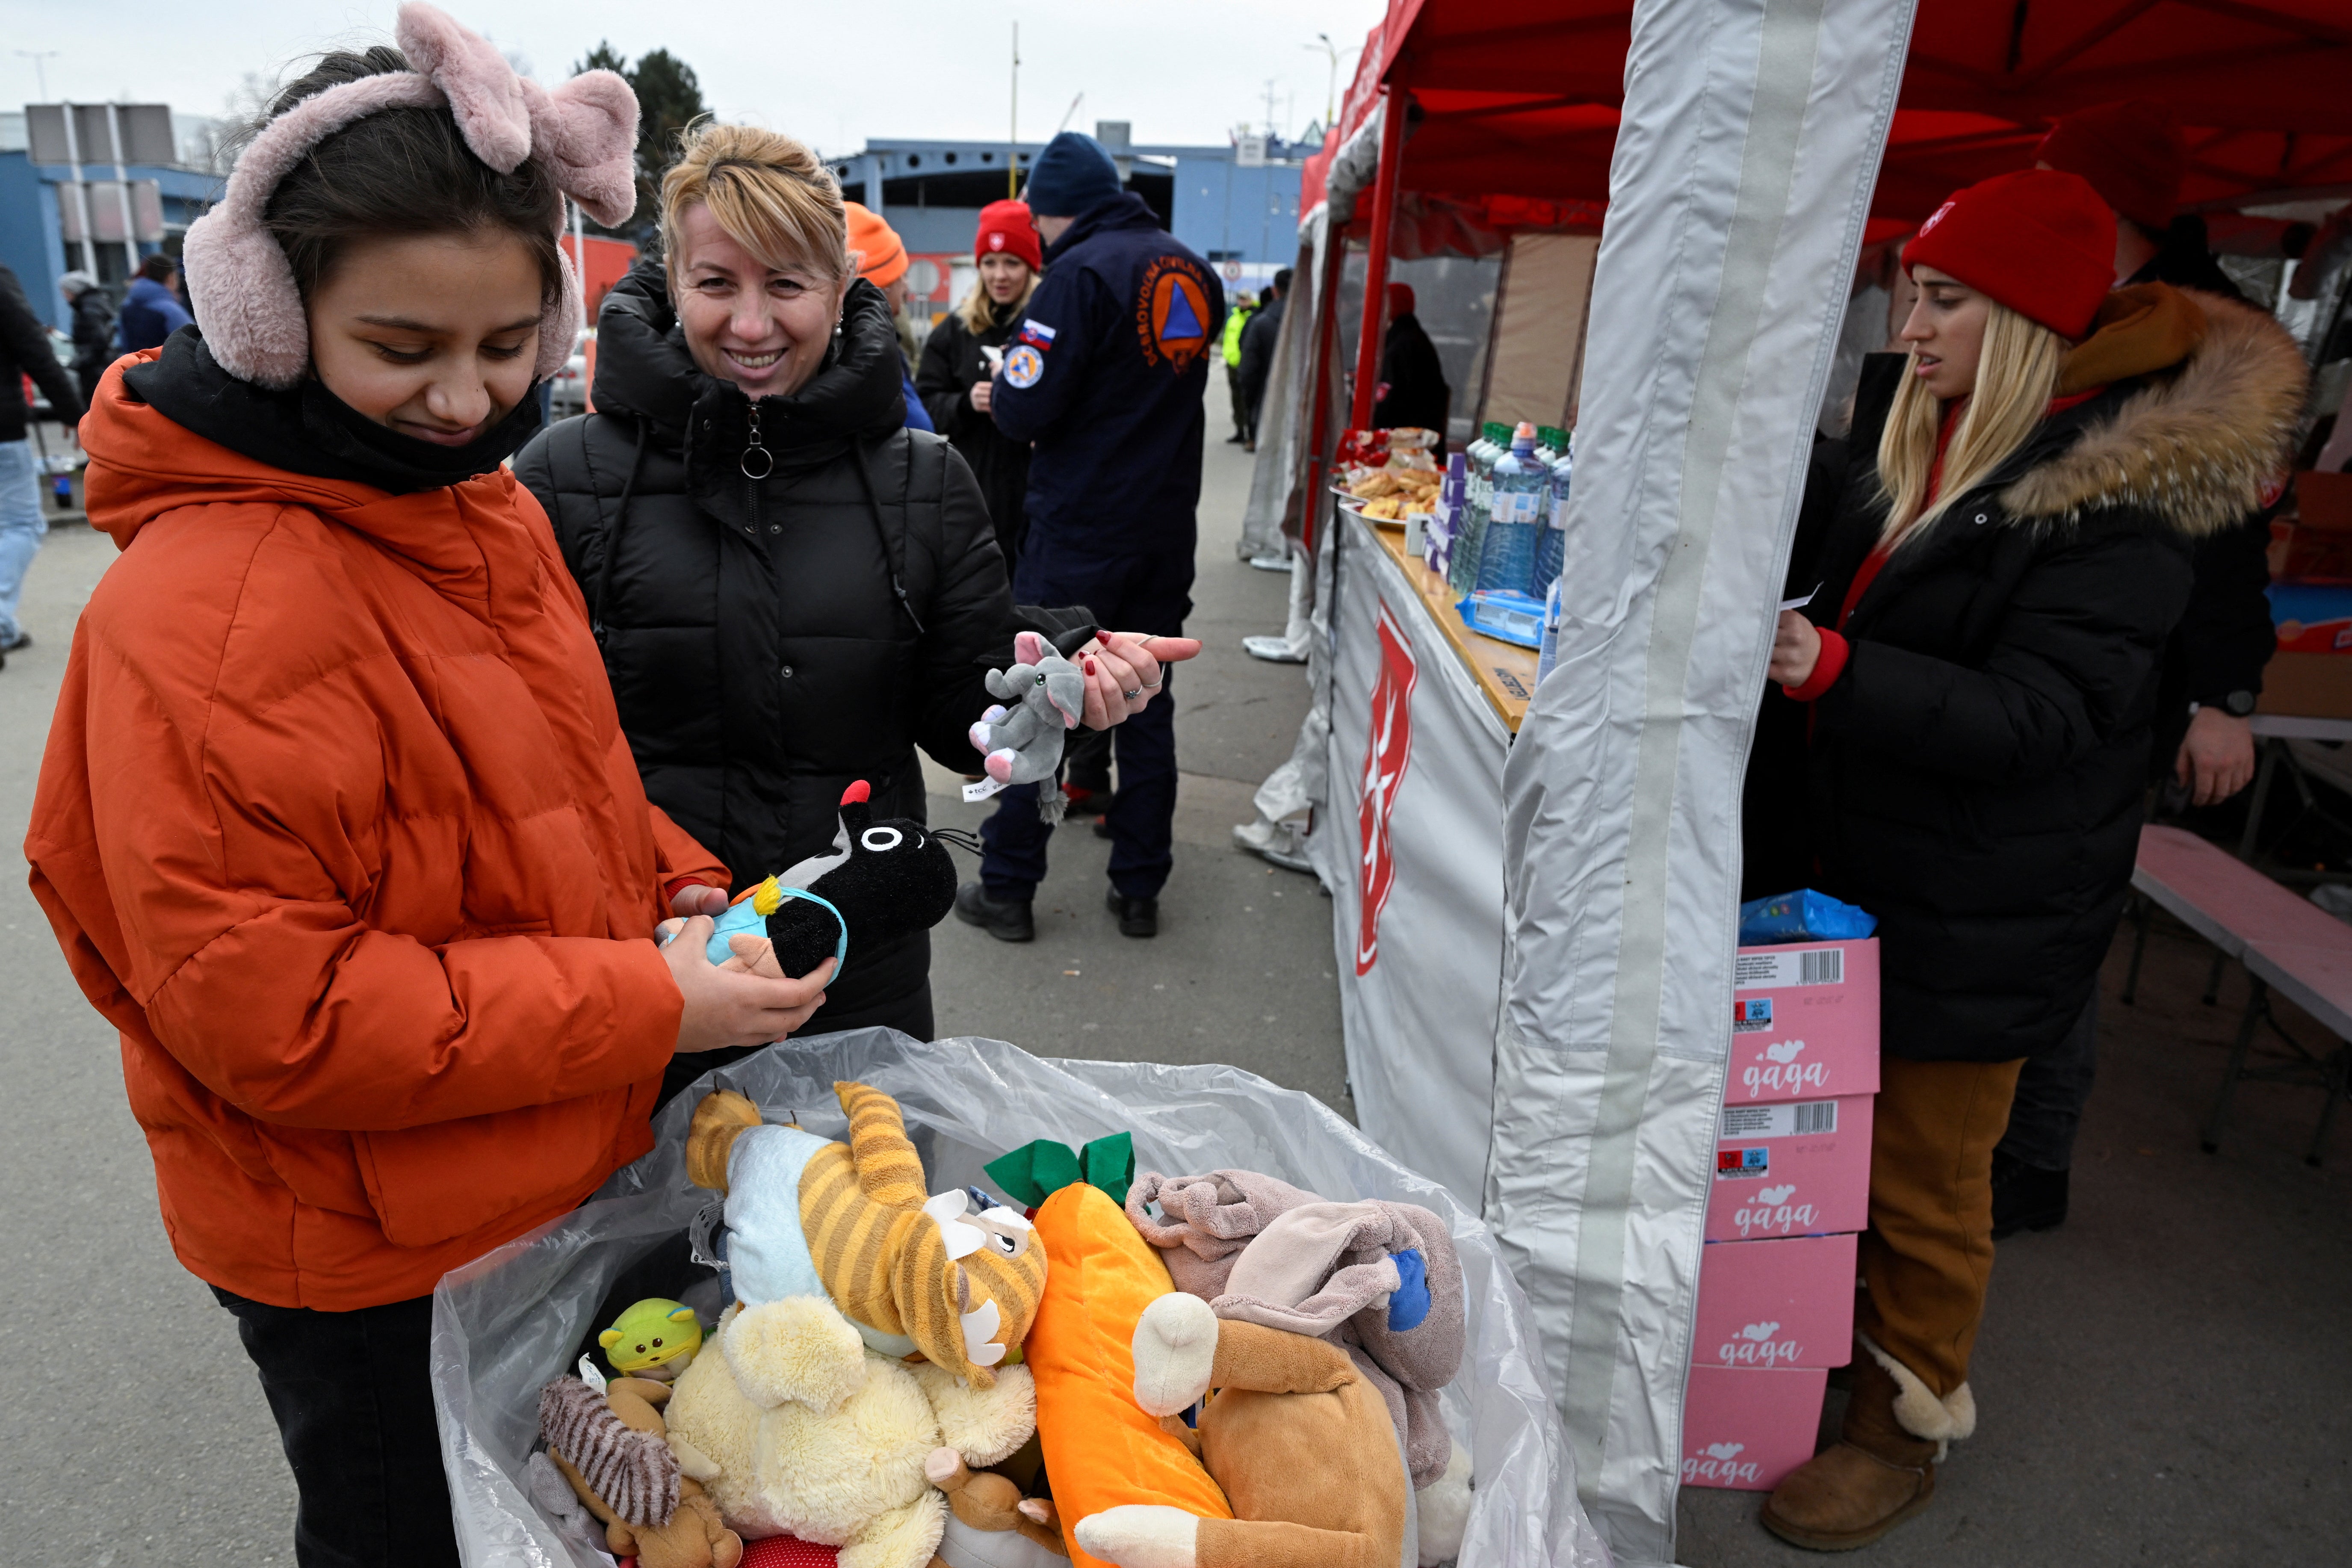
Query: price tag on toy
point(981, 790)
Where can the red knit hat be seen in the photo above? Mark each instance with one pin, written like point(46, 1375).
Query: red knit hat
point(2130, 152)
point(2038, 241)
point(1006, 229)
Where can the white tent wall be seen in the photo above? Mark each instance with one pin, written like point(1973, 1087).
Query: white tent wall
point(1411, 821)
point(1282, 440)
point(1742, 174)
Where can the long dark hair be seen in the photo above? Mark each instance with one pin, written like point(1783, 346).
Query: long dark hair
point(400, 171)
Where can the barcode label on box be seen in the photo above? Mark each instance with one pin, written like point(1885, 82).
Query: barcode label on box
point(1811, 1117)
point(1770, 971)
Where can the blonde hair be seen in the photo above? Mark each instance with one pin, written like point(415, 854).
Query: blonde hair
point(977, 312)
point(771, 193)
point(2017, 375)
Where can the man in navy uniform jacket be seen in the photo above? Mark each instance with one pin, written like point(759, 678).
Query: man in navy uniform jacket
point(1105, 375)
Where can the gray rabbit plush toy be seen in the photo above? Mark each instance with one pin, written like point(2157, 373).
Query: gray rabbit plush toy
point(1020, 738)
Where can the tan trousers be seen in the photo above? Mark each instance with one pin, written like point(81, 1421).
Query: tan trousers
point(1928, 1255)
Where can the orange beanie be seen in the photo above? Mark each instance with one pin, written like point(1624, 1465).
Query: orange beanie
point(881, 256)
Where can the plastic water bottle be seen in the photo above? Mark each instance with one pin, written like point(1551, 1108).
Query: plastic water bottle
point(1522, 487)
point(1551, 549)
point(1547, 649)
point(1469, 536)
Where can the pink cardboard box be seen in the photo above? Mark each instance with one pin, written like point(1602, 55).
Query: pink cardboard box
point(1804, 1022)
point(1791, 1168)
point(1776, 1303)
point(1746, 1431)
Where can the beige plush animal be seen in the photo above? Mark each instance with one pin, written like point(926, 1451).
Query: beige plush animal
point(808, 1433)
point(1301, 1443)
point(990, 1523)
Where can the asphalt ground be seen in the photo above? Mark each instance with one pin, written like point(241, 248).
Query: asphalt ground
point(2163, 1379)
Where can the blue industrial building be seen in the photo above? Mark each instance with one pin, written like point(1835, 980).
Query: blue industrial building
point(32, 241)
point(1243, 216)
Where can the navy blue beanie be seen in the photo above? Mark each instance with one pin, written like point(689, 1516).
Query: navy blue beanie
point(1071, 176)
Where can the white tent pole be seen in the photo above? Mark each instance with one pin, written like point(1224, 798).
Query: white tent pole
point(1744, 163)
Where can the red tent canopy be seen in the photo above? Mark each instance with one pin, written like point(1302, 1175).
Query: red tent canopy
point(1519, 97)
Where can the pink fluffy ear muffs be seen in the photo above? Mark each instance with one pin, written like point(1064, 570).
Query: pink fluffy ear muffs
point(585, 131)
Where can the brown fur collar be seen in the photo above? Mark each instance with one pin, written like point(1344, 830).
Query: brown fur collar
point(2197, 447)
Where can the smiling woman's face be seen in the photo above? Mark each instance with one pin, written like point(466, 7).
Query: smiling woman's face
point(1945, 332)
point(433, 335)
point(763, 328)
point(1004, 276)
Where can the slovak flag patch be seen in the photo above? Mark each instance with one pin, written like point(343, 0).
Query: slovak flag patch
point(1036, 334)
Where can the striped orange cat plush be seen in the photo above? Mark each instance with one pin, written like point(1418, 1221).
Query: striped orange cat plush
point(917, 1276)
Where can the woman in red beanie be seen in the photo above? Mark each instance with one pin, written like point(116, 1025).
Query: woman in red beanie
point(2011, 522)
point(953, 378)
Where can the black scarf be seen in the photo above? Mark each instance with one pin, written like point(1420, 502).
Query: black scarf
point(306, 429)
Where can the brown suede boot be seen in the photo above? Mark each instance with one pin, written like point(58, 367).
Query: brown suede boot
point(1877, 1476)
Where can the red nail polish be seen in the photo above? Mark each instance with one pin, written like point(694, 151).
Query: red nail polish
point(1090, 667)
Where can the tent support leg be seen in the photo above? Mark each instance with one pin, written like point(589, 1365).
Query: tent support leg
point(1376, 262)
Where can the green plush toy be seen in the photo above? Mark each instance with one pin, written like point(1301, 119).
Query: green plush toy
point(1036, 1171)
point(655, 1338)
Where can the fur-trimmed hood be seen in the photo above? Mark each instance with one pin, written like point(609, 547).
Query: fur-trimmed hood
point(2200, 447)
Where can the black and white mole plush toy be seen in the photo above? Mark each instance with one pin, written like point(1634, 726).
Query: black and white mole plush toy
point(880, 879)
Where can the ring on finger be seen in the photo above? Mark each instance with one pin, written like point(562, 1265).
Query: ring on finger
point(1132, 693)
point(1148, 686)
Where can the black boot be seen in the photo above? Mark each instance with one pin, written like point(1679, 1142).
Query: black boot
point(1137, 917)
point(1004, 919)
point(2025, 1197)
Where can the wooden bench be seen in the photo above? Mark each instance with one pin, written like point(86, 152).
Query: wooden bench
point(2284, 944)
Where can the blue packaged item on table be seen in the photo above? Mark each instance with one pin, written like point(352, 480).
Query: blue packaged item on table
point(1803, 916)
point(1506, 617)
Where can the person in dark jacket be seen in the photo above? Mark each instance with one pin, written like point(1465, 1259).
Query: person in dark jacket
point(1258, 337)
point(1981, 663)
point(1412, 390)
point(151, 310)
point(1106, 376)
point(953, 379)
point(93, 328)
point(2133, 156)
point(24, 350)
point(793, 591)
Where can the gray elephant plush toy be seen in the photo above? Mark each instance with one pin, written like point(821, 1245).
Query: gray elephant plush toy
point(1020, 738)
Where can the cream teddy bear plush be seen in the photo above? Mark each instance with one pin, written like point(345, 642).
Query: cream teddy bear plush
point(806, 1432)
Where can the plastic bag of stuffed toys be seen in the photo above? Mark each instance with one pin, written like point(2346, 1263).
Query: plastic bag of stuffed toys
point(1219, 1369)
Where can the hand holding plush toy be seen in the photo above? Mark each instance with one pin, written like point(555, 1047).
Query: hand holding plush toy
point(1023, 743)
point(879, 881)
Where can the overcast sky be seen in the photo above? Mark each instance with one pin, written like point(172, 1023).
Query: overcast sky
point(832, 74)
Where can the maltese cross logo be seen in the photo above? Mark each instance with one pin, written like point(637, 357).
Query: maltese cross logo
point(1387, 751)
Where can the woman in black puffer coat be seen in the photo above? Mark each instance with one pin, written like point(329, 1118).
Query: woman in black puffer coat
point(2006, 551)
point(954, 378)
point(772, 640)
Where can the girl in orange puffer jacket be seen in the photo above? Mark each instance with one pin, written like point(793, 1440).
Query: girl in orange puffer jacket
point(337, 825)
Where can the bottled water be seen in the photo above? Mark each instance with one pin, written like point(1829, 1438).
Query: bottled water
point(1521, 488)
point(1551, 549)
